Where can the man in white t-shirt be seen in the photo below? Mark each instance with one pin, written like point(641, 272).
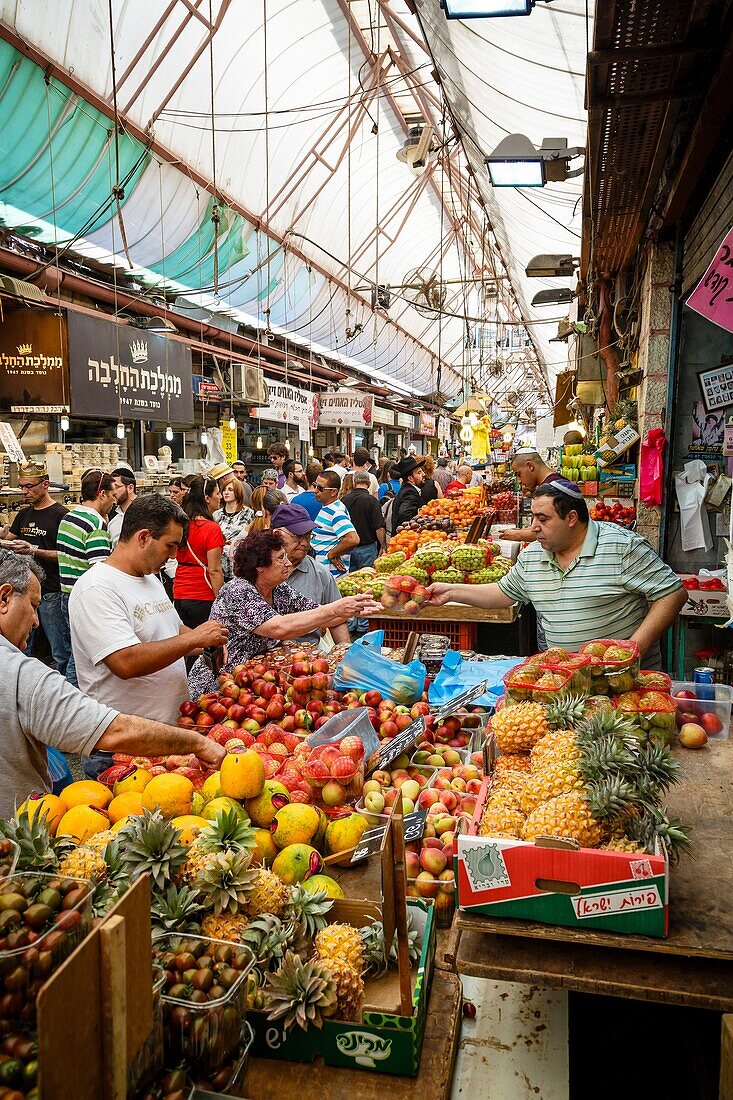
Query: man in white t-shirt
point(126, 635)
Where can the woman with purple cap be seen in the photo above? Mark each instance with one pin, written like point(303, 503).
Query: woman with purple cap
point(261, 609)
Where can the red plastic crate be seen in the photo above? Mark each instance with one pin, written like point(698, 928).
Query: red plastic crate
point(462, 635)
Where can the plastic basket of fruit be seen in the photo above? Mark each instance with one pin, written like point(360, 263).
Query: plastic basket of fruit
point(228, 1080)
point(579, 667)
point(534, 684)
point(9, 852)
point(404, 594)
point(148, 1062)
point(42, 919)
point(380, 790)
point(174, 1084)
point(614, 667)
point(713, 715)
point(652, 711)
point(205, 997)
point(654, 681)
point(335, 771)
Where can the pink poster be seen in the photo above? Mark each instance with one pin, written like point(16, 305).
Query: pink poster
point(713, 295)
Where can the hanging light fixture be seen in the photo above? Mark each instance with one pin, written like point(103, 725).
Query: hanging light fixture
point(486, 9)
point(204, 439)
point(259, 443)
point(232, 424)
point(169, 434)
point(64, 422)
point(121, 430)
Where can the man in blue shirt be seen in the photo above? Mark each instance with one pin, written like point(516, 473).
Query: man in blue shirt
point(308, 499)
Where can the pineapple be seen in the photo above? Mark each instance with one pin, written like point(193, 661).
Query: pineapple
point(149, 843)
point(375, 954)
point(560, 744)
point(301, 992)
point(266, 894)
point(224, 926)
point(520, 727)
point(268, 939)
point(228, 833)
point(224, 882)
point(414, 942)
point(502, 822)
point(652, 824)
point(341, 942)
point(306, 910)
point(512, 762)
point(621, 844)
point(177, 909)
point(349, 989)
point(100, 840)
point(37, 851)
point(84, 862)
point(565, 713)
point(582, 815)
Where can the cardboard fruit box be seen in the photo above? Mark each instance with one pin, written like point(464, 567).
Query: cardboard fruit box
point(385, 1041)
point(556, 882)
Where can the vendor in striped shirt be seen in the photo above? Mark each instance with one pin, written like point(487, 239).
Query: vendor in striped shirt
point(82, 540)
point(334, 535)
point(586, 579)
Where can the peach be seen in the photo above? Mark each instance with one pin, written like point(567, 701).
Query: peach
point(444, 824)
point(436, 810)
point(451, 756)
point(374, 802)
point(692, 736)
point(433, 860)
point(449, 799)
point(432, 842)
point(473, 786)
point(390, 796)
point(428, 798)
point(383, 778)
point(410, 789)
point(412, 864)
point(426, 885)
point(458, 784)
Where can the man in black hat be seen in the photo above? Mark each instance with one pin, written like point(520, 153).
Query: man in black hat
point(408, 501)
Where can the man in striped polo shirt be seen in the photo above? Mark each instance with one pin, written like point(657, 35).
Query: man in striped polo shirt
point(83, 540)
point(586, 579)
point(333, 534)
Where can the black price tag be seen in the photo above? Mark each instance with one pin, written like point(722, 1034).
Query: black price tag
point(371, 841)
point(459, 701)
point(398, 744)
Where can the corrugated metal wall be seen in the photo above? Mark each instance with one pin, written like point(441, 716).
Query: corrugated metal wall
point(709, 227)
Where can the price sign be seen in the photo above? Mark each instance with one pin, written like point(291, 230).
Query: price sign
point(371, 841)
point(402, 741)
point(12, 447)
point(459, 701)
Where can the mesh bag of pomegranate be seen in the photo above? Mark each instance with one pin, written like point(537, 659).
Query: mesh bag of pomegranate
point(614, 665)
point(579, 667)
point(654, 681)
point(654, 712)
point(532, 683)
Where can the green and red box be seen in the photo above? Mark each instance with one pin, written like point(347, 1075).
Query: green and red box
point(557, 884)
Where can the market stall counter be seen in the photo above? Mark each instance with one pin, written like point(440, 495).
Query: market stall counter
point(692, 966)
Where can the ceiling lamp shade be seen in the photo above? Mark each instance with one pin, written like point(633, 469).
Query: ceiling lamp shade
point(560, 297)
point(483, 9)
point(547, 266)
point(516, 163)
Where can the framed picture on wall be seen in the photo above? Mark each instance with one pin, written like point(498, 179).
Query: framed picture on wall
point(320, 439)
point(717, 387)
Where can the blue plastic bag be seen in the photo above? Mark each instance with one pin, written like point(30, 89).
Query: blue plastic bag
point(363, 668)
point(457, 675)
point(58, 769)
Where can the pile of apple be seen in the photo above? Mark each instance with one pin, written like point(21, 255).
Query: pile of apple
point(335, 771)
point(695, 724)
point(380, 790)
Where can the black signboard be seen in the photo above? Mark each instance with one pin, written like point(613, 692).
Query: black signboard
point(121, 371)
point(398, 744)
point(413, 827)
point(33, 361)
point(459, 701)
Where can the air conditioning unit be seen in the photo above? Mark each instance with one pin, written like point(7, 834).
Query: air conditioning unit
point(249, 385)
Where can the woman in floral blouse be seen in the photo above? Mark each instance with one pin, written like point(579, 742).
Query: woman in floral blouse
point(234, 519)
point(260, 610)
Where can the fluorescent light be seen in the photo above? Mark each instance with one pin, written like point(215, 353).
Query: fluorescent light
point(120, 430)
point(482, 9)
point(204, 438)
point(516, 163)
point(232, 423)
point(169, 433)
point(64, 422)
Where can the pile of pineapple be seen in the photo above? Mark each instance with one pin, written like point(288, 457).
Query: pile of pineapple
point(579, 769)
point(307, 968)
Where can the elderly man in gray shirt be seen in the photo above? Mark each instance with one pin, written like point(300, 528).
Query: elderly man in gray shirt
point(308, 577)
point(41, 708)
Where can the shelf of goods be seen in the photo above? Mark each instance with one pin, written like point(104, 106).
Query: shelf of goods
point(262, 927)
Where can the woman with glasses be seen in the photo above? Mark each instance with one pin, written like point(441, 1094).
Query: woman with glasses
point(199, 573)
point(260, 610)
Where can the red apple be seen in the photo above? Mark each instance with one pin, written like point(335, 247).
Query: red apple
point(388, 730)
point(685, 695)
point(188, 709)
point(372, 699)
point(711, 723)
point(204, 719)
point(402, 721)
point(418, 709)
point(185, 723)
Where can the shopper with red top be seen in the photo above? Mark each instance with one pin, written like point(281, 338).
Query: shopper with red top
point(199, 573)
